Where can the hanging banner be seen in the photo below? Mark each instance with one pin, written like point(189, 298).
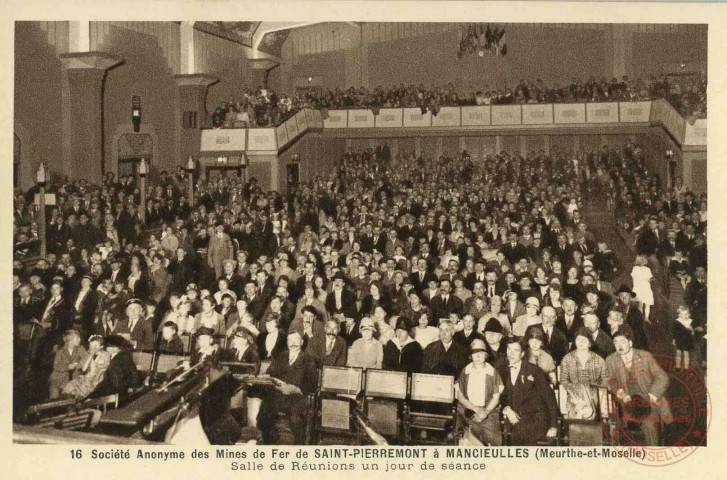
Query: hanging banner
point(569, 113)
point(633, 112)
point(476, 116)
point(336, 119)
point(223, 139)
point(413, 117)
point(360, 119)
point(506, 115)
point(262, 139)
point(389, 118)
point(537, 114)
point(602, 112)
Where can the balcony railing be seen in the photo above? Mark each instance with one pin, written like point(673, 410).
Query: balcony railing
point(470, 117)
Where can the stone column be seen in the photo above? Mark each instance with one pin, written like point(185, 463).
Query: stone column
point(86, 74)
point(193, 111)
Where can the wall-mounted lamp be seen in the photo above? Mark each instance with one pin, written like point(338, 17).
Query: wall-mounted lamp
point(41, 177)
point(143, 167)
point(136, 112)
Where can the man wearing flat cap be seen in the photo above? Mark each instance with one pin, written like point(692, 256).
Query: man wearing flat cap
point(402, 353)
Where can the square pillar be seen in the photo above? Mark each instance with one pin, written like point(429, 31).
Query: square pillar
point(192, 111)
point(86, 75)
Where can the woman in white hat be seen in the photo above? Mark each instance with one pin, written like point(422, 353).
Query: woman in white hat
point(530, 317)
point(478, 393)
point(366, 352)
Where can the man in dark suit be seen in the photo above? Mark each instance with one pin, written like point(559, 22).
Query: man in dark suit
point(295, 377)
point(84, 306)
point(513, 250)
point(55, 316)
point(234, 280)
point(25, 307)
point(445, 356)
point(628, 313)
point(555, 340)
point(420, 279)
point(121, 374)
point(350, 330)
point(479, 275)
point(330, 349)
point(378, 241)
point(445, 303)
point(309, 270)
point(141, 330)
point(255, 303)
point(183, 271)
point(465, 336)
point(602, 343)
point(117, 273)
point(649, 240)
point(632, 373)
point(569, 322)
point(528, 401)
point(340, 300)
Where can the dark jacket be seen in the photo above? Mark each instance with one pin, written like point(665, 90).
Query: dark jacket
point(439, 361)
point(175, 345)
point(533, 400)
point(408, 359)
point(302, 373)
point(120, 376)
point(280, 345)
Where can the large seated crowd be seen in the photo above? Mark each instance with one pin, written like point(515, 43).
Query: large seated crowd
point(263, 108)
point(450, 266)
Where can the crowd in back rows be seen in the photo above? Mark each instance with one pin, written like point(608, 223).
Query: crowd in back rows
point(264, 108)
point(377, 257)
